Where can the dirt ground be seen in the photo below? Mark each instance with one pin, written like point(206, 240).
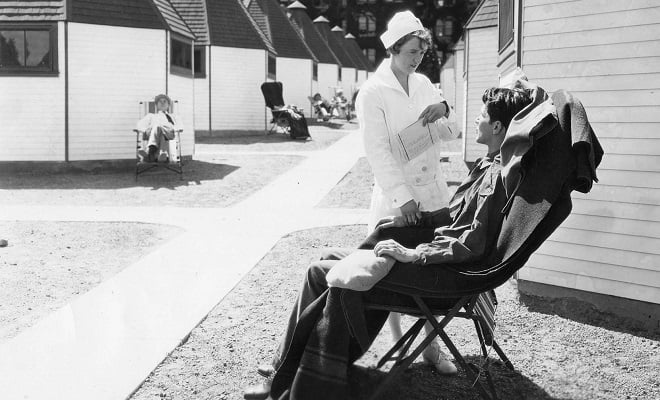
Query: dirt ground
point(556, 355)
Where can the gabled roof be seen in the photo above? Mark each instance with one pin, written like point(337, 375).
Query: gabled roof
point(311, 36)
point(231, 25)
point(130, 13)
point(484, 16)
point(173, 20)
point(32, 10)
point(354, 47)
point(193, 13)
point(323, 28)
point(270, 16)
point(460, 45)
point(338, 33)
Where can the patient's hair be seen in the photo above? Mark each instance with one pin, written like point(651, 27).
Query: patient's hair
point(503, 104)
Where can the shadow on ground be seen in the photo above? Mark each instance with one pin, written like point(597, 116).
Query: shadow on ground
point(81, 176)
point(421, 382)
point(586, 313)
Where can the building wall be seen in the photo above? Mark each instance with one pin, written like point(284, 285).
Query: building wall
point(180, 89)
point(348, 81)
point(32, 114)
point(107, 79)
point(608, 55)
point(481, 47)
point(296, 77)
point(327, 79)
point(362, 77)
point(236, 98)
point(202, 105)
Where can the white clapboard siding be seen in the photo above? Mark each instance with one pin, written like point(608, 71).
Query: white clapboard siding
point(328, 74)
point(107, 79)
point(32, 114)
point(202, 104)
point(482, 73)
point(315, 89)
point(348, 82)
point(236, 99)
point(448, 85)
point(180, 88)
point(362, 77)
point(459, 84)
point(296, 77)
point(607, 53)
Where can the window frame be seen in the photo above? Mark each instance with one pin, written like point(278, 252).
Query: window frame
point(509, 35)
point(315, 71)
point(177, 69)
point(53, 31)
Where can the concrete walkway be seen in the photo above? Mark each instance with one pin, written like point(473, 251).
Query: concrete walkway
point(104, 343)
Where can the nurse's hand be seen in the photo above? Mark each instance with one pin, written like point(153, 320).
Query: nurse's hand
point(396, 251)
point(410, 212)
point(433, 112)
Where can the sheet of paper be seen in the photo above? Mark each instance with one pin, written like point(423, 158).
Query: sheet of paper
point(415, 139)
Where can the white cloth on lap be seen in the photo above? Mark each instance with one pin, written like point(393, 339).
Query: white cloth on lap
point(360, 270)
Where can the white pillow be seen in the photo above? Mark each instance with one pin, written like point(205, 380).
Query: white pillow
point(360, 270)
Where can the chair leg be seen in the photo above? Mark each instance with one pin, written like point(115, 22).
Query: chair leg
point(503, 356)
point(438, 328)
point(407, 338)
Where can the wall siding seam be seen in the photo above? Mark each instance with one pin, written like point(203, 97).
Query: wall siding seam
point(563, 18)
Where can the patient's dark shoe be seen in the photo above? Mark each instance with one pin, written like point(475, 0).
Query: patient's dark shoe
point(257, 392)
point(266, 370)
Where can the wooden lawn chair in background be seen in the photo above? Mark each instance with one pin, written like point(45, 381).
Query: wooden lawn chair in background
point(175, 162)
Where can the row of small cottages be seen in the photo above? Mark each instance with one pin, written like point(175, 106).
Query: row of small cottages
point(608, 54)
point(72, 72)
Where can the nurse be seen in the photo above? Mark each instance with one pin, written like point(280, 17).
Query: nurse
point(393, 98)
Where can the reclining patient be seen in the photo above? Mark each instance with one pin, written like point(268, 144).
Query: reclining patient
point(319, 345)
point(158, 128)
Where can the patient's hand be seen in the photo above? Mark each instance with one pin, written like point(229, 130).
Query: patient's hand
point(391, 222)
point(395, 250)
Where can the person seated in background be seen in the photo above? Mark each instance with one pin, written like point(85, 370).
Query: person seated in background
point(319, 343)
point(322, 107)
point(340, 103)
point(157, 129)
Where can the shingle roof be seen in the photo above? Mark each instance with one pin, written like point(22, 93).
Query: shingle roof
point(285, 38)
point(354, 47)
point(338, 33)
point(173, 19)
point(231, 25)
point(131, 13)
point(193, 13)
point(311, 36)
point(323, 28)
point(32, 10)
point(484, 16)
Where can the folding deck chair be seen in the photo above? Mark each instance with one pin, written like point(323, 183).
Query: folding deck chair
point(175, 162)
point(290, 119)
point(550, 171)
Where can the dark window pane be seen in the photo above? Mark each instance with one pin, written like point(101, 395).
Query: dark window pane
point(12, 48)
point(181, 54)
point(272, 66)
point(315, 71)
point(505, 23)
point(38, 49)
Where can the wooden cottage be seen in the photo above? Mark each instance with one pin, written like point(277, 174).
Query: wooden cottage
point(480, 71)
point(72, 75)
point(329, 66)
point(233, 57)
point(608, 54)
point(348, 72)
point(360, 67)
point(295, 62)
point(452, 82)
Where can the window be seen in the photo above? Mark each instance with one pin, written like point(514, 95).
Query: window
point(449, 27)
point(439, 28)
point(315, 71)
point(367, 24)
point(272, 65)
point(505, 23)
point(28, 49)
point(200, 62)
point(181, 56)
